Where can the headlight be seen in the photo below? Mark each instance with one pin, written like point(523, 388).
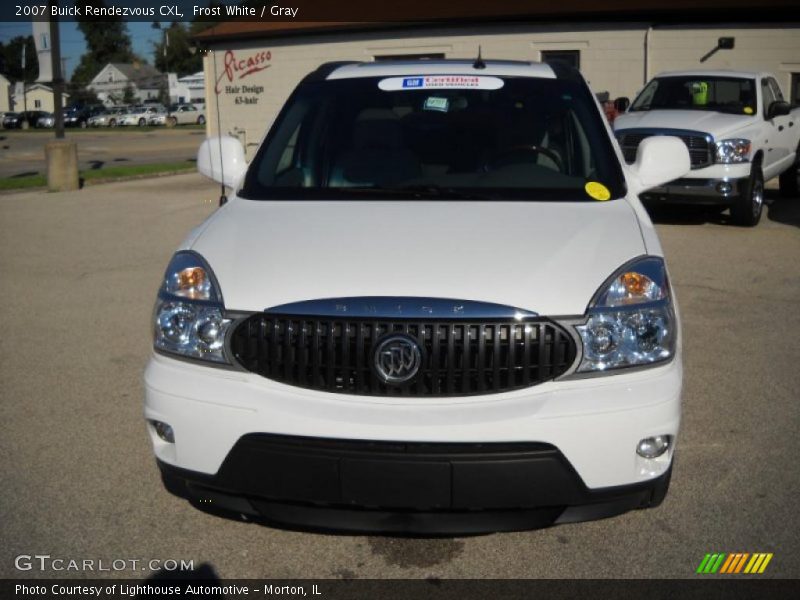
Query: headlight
point(631, 320)
point(732, 151)
point(189, 316)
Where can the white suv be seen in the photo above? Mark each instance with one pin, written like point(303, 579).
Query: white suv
point(433, 304)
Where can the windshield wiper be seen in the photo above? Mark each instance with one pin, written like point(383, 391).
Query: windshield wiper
point(418, 192)
point(449, 193)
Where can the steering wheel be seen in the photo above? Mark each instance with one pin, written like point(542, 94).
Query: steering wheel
point(493, 161)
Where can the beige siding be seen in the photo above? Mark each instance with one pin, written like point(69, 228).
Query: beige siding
point(612, 59)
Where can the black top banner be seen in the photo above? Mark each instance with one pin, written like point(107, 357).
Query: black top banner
point(366, 11)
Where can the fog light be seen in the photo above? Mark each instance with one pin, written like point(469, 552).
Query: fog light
point(724, 188)
point(653, 447)
point(164, 431)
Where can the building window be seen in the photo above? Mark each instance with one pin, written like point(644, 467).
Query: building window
point(569, 57)
point(427, 56)
point(794, 93)
point(37, 104)
point(111, 78)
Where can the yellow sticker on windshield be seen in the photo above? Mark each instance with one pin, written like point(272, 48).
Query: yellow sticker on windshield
point(597, 191)
point(748, 110)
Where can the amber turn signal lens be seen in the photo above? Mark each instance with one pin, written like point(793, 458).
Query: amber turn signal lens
point(191, 278)
point(636, 284)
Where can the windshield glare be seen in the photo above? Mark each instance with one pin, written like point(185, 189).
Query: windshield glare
point(732, 95)
point(529, 139)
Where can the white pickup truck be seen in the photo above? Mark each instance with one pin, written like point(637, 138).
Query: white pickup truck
point(738, 128)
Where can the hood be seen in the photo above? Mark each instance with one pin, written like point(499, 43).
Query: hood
point(547, 257)
point(717, 124)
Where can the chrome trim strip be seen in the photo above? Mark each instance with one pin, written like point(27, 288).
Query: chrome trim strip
point(402, 307)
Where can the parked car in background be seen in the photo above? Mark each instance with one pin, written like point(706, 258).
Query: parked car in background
point(433, 304)
point(738, 128)
point(180, 114)
point(46, 121)
point(79, 116)
point(109, 117)
point(22, 120)
point(141, 115)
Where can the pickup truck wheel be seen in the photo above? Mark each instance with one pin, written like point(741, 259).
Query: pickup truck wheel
point(201, 120)
point(788, 179)
point(747, 209)
point(142, 122)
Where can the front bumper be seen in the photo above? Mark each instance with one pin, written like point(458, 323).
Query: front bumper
point(714, 185)
point(401, 487)
point(578, 440)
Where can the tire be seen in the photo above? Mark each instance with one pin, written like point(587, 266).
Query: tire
point(142, 122)
point(788, 179)
point(747, 209)
point(201, 120)
point(112, 123)
point(172, 122)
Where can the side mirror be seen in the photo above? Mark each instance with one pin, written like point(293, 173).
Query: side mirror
point(778, 109)
point(661, 159)
point(222, 159)
point(622, 103)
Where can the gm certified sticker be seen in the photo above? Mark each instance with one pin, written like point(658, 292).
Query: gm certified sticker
point(440, 82)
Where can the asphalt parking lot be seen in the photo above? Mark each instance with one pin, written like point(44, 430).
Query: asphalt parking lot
point(78, 275)
point(22, 152)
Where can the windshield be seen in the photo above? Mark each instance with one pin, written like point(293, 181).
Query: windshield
point(732, 95)
point(502, 138)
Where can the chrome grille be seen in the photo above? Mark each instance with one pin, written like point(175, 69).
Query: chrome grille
point(700, 145)
point(459, 357)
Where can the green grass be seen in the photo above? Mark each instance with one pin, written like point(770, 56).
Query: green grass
point(19, 183)
point(96, 175)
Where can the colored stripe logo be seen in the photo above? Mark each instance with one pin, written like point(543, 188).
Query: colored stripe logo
point(733, 563)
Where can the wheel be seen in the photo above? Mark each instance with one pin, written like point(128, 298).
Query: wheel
point(142, 122)
point(747, 208)
point(172, 121)
point(201, 120)
point(788, 179)
point(112, 123)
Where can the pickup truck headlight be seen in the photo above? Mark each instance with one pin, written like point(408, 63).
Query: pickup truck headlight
point(188, 318)
point(732, 151)
point(631, 320)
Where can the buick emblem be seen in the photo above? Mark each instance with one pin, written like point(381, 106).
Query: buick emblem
point(397, 359)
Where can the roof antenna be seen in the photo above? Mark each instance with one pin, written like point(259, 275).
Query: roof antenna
point(479, 64)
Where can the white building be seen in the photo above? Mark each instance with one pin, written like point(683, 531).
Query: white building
point(251, 67)
point(36, 96)
point(5, 95)
point(112, 80)
point(194, 86)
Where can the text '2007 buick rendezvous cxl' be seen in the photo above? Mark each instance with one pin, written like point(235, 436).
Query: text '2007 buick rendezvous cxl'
point(432, 304)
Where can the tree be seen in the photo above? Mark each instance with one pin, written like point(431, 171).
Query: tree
point(178, 57)
point(106, 41)
point(11, 59)
point(128, 95)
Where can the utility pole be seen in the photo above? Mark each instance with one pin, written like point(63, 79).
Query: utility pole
point(58, 79)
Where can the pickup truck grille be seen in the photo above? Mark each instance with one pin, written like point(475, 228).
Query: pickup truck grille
point(458, 358)
point(700, 145)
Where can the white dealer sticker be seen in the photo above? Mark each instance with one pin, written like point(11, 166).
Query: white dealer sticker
point(440, 82)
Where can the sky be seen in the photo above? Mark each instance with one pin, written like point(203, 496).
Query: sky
point(73, 45)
